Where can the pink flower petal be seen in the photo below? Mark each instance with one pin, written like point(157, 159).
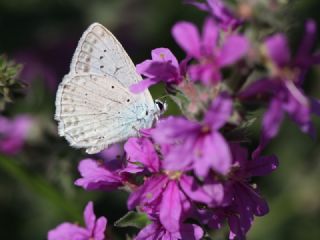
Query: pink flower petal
point(89, 217)
point(68, 231)
point(278, 50)
point(100, 228)
point(164, 55)
point(234, 48)
point(210, 36)
point(142, 85)
point(170, 207)
point(187, 36)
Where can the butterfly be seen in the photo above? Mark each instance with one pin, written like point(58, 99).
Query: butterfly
point(94, 106)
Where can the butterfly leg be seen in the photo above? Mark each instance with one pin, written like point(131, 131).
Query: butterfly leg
point(137, 131)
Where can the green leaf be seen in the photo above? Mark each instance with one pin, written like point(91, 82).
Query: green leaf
point(133, 219)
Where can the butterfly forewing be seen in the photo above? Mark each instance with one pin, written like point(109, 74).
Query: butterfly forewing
point(100, 52)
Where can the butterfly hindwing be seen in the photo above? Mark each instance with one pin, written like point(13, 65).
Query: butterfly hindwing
point(94, 111)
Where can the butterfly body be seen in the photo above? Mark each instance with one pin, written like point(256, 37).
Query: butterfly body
point(94, 106)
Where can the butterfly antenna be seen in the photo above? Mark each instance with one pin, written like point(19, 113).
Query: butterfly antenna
point(163, 97)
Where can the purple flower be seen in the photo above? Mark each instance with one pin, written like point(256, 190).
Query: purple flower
point(141, 151)
point(113, 152)
point(94, 229)
point(163, 193)
point(110, 172)
point(13, 133)
point(163, 67)
point(155, 231)
point(198, 146)
point(283, 88)
point(221, 14)
point(211, 56)
point(100, 175)
point(244, 200)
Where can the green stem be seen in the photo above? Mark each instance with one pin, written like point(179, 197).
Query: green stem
point(41, 187)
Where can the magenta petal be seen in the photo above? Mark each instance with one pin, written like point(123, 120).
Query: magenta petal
point(112, 152)
point(164, 55)
point(135, 197)
point(216, 153)
point(239, 154)
point(278, 50)
point(307, 43)
point(297, 105)
point(142, 85)
point(220, 111)
point(202, 166)
point(178, 158)
point(264, 140)
point(210, 35)
point(193, 190)
point(259, 87)
point(315, 106)
point(143, 67)
point(89, 217)
point(163, 71)
point(149, 232)
point(262, 166)
point(235, 228)
point(100, 228)
point(223, 15)
point(187, 36)
point(272, 119)
point(211, 193)
point(206, 72)
point(68, 231)
point(171, 129)
point(212, 153)
point(155, 188)
point(13, 133)
point(221, 160)
point(96, 176)
point(190, 232)
point(170, 207)
point(249, 203)
point(141, 150)
point(148, 192)
point(234, 48)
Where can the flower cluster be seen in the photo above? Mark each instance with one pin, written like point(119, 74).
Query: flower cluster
point(193, 173)
point(13, 133)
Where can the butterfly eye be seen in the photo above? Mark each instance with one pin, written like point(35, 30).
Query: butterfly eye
point(147, 113)
point(160, 105)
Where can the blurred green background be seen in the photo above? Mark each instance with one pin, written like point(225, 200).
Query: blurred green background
point(36, 186)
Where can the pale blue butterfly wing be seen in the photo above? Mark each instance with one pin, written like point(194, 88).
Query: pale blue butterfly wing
point(94, 106)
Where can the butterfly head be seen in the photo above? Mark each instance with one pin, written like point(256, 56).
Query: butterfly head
point(161, 107)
